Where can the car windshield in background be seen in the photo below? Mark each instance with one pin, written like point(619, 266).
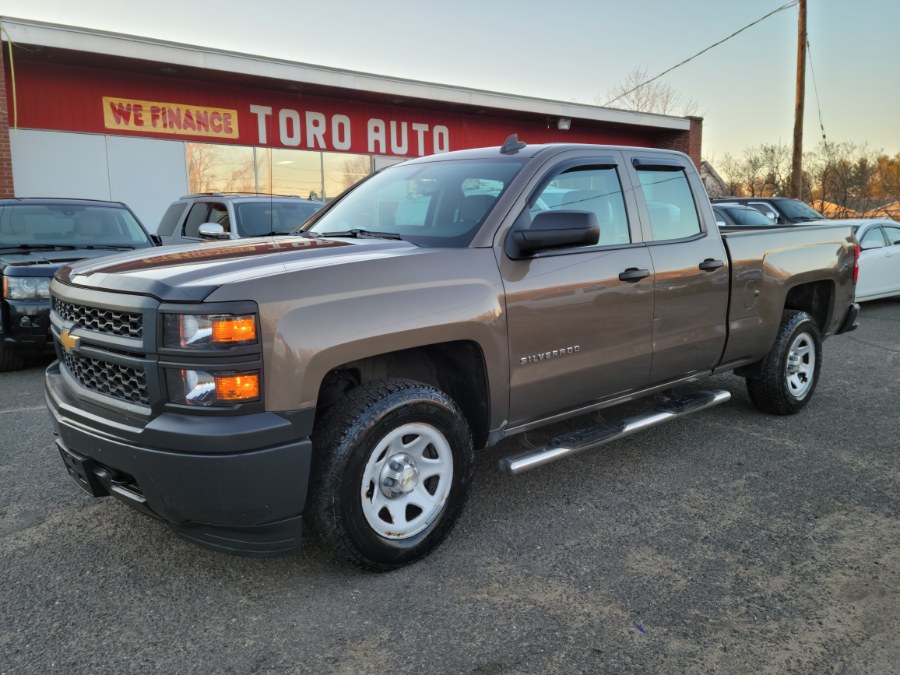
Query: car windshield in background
point(744, 215)
point(797, 210)
point(435, 204)
point(257, 219)
point(69, 225)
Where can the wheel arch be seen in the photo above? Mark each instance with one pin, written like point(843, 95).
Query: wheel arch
point(457, 368)
point(816, 298)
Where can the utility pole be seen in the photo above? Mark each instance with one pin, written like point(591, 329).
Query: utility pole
point(797, 163)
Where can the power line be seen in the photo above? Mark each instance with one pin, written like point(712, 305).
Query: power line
point(816, 89)
point(785, 6)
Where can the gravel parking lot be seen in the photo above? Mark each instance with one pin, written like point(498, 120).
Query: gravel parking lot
point(729, 541)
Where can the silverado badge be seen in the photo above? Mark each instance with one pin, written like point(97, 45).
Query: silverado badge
point(68, 341)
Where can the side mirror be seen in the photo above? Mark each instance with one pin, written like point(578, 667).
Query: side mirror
point(156, 239)
point(212, 231)
point(556, 229)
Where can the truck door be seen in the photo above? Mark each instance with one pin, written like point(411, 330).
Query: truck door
point(579, 318)
point(691, 281)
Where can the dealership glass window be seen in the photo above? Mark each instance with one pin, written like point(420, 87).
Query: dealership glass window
point(220, 168)
point(343, 170)
point(296, 172)
point(304, 173)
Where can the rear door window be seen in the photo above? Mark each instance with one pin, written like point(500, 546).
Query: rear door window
point(872, 239)
point(670, 203)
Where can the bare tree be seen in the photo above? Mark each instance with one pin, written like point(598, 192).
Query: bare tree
point(655, 97)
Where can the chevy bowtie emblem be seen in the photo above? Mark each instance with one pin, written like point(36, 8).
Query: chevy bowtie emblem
point(69, 342)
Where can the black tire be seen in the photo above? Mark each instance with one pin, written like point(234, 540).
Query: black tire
point(791, 369)
point(343, 503)
point(11, 359)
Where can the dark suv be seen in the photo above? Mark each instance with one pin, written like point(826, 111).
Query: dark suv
point(780, 210)
point(37, 237)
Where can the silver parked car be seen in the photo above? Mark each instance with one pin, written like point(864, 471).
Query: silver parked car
point(218, 215)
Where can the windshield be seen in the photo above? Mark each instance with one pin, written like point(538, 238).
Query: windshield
point(797, 210)
point(441, 203)
point(259, 218)
point(67, 225)
point(744, 215)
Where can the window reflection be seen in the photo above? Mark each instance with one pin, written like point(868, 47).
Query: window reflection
point(306, 174)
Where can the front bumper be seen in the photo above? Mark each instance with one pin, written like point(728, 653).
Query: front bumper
point(25, 325)
point(246, 501)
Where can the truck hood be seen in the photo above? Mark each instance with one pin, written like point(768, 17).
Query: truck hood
point(191, 273)
point(44, 263)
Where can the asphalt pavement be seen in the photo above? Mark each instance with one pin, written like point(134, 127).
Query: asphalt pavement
point(729, 541)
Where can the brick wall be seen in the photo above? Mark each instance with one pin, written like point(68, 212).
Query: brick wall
point(688, 142)
point(6, 173)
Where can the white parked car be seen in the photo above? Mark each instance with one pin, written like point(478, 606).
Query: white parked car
point(879, 259)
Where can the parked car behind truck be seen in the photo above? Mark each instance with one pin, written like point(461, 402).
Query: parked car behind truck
point(779, 210)
point(346, 376)
point(210, 216)
point(38, 236)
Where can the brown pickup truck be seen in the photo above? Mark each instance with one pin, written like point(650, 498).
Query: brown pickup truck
point(348, 373)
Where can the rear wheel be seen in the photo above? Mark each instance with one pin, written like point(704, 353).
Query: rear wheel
point(791, 368)
point(393, 463)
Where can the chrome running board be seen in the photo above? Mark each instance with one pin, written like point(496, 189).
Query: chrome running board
point(591, 437)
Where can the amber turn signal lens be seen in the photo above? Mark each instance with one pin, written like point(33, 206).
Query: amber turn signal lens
point(234, 329)
point(237, 387)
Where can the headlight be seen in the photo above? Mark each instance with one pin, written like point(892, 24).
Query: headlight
point(203, 388)
point(208, 331)
point(26, 288)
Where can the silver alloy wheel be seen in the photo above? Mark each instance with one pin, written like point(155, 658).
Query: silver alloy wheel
point(407, 480)
point(801, 365)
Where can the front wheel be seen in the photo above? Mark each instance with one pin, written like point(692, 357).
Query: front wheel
point(791, 368)
point(10, 359)
point(392, 467)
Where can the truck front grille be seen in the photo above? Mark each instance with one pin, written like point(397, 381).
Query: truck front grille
point(121, 382)
point(126, 324)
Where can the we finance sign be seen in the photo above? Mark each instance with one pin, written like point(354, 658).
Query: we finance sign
point(178, 119)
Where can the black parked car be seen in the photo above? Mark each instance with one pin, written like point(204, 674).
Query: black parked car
point(780, 210)
point(37, 237)
point(737, 216)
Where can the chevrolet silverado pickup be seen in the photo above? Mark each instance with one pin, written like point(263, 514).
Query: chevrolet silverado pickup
point(346, 374)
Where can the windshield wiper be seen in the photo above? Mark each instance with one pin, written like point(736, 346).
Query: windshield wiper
point(107, 247)
point(357, 233)
point(38, 247)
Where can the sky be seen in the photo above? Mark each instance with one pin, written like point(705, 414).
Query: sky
point(569, 50)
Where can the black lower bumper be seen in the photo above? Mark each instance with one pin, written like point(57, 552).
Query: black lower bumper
point(248, 502)
point(25, 326)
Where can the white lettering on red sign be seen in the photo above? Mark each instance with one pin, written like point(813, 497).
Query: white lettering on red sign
point(314, 130)
point(340, 132)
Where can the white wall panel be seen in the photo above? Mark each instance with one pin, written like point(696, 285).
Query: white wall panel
point(147, 174)
point(59, 164)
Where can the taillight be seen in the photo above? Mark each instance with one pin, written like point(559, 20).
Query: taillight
point(855, 263)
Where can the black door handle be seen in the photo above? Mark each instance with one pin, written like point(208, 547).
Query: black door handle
point(633, 274)
point(711, 264)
